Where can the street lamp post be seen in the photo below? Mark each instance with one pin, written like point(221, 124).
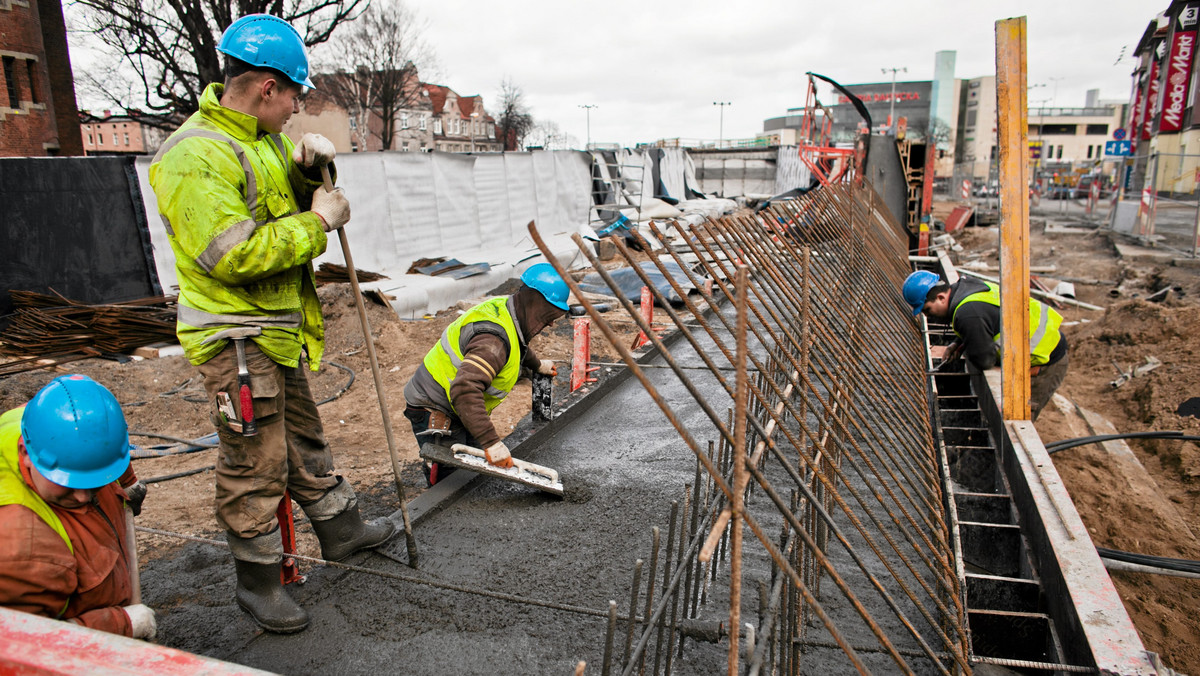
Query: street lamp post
point(892, 99)
point(588, 109)
point(721, 128)
point(1054, 94)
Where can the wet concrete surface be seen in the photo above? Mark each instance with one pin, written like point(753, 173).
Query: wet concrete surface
point(622, 463)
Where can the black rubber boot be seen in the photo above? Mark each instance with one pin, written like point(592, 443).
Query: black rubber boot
point(347, 533)
point(260, 593)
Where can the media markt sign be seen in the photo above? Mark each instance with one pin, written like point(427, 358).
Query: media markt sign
point(1179, 71)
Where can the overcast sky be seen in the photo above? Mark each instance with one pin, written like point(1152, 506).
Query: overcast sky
point(655, 67)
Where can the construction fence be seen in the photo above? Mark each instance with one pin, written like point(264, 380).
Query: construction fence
point(1160, 204)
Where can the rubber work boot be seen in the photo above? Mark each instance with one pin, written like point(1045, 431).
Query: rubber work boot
point(339, 526)
point(259, 590)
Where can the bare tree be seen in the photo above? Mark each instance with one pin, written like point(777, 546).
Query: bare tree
point(513, 121)
point(169, 47)
point(374, 68)
point(548, 135)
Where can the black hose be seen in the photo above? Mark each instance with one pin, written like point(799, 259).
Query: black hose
point(345, 387)
point(1081, 441)
point(177, 475)
point(1167, 563)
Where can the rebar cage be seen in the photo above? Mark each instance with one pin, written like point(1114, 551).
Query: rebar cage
point(810, 375)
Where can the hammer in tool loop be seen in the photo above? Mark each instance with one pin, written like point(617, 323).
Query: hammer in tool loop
point(239, 335)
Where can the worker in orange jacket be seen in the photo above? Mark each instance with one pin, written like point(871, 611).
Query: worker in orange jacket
point(65, 478)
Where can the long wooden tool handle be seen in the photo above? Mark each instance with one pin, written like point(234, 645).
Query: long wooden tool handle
point(135, 578)
point(383, 406)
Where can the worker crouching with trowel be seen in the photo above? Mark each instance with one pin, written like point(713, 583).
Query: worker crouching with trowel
point(65, 479)
point(972, 307)
point(476, 363)
point(245, 214)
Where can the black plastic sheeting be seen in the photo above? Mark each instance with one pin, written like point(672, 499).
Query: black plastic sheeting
point(631, 285)
point(74, 224)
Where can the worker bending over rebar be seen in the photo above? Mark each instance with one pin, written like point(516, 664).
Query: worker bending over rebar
point(972, 308)
point(476, 363)
point(246, 213)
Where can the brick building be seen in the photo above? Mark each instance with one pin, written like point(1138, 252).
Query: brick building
point(38, 114)
point(460, 123)
point(118, 135)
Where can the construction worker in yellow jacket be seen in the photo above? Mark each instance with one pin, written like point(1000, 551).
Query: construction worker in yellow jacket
point(972, 307)
point(246, 213)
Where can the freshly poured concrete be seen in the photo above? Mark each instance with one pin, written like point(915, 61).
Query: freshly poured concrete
point(623, 464)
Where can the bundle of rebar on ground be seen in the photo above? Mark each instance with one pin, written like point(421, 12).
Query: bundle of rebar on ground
point(51, 326)
point(332, 273)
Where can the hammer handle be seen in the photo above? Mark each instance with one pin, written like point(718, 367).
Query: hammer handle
point(249, 427)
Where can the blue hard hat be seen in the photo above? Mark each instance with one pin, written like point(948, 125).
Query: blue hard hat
point(547, 281)
point(267, 41)
point(75, 433)
point(916, 288)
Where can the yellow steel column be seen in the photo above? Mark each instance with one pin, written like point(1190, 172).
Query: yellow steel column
point(1014, 216)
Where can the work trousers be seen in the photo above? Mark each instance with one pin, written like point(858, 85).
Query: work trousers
point(1043, 385)
point(289, 452)
point(457, 434)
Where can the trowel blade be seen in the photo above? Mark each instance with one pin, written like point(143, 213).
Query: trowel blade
point(445, 456)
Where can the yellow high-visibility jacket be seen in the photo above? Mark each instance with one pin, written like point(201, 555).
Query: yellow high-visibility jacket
point(231, 203)
point(1044, 323)
point(445, 357)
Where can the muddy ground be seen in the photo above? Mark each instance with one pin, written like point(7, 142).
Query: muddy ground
point(1129, 330)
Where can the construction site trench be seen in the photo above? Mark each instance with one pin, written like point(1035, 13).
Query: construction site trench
point(549, 567)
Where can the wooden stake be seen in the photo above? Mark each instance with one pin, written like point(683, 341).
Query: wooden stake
point(1014, 216)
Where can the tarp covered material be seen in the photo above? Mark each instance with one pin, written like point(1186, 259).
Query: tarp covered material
point(407, 206)
point(885, 173)
point(631, 285)
point(74, 224)
point(790, 170)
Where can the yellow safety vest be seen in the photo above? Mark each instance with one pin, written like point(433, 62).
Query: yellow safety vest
point(1043, 323)
point(243, 249)
point(13, 489)
point(444, 359)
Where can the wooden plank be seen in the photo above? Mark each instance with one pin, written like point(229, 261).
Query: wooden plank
point(1014, 218)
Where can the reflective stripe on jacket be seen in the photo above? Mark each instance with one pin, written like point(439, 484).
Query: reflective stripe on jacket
point(1043, 323)
point(444, 359)
point(243, 248)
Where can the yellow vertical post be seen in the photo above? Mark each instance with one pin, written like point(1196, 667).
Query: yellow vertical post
point(1014, 216)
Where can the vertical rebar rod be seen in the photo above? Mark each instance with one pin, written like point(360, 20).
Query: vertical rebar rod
point(606, 667)
point(741, 479)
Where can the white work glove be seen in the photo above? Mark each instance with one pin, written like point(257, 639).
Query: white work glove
point(142, 618)
point(332, 207)
point(546, 367)
point(313, 150)
point(497, 454)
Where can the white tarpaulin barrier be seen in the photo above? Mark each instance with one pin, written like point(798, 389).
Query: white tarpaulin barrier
point(408, 206)
point(790, 171)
